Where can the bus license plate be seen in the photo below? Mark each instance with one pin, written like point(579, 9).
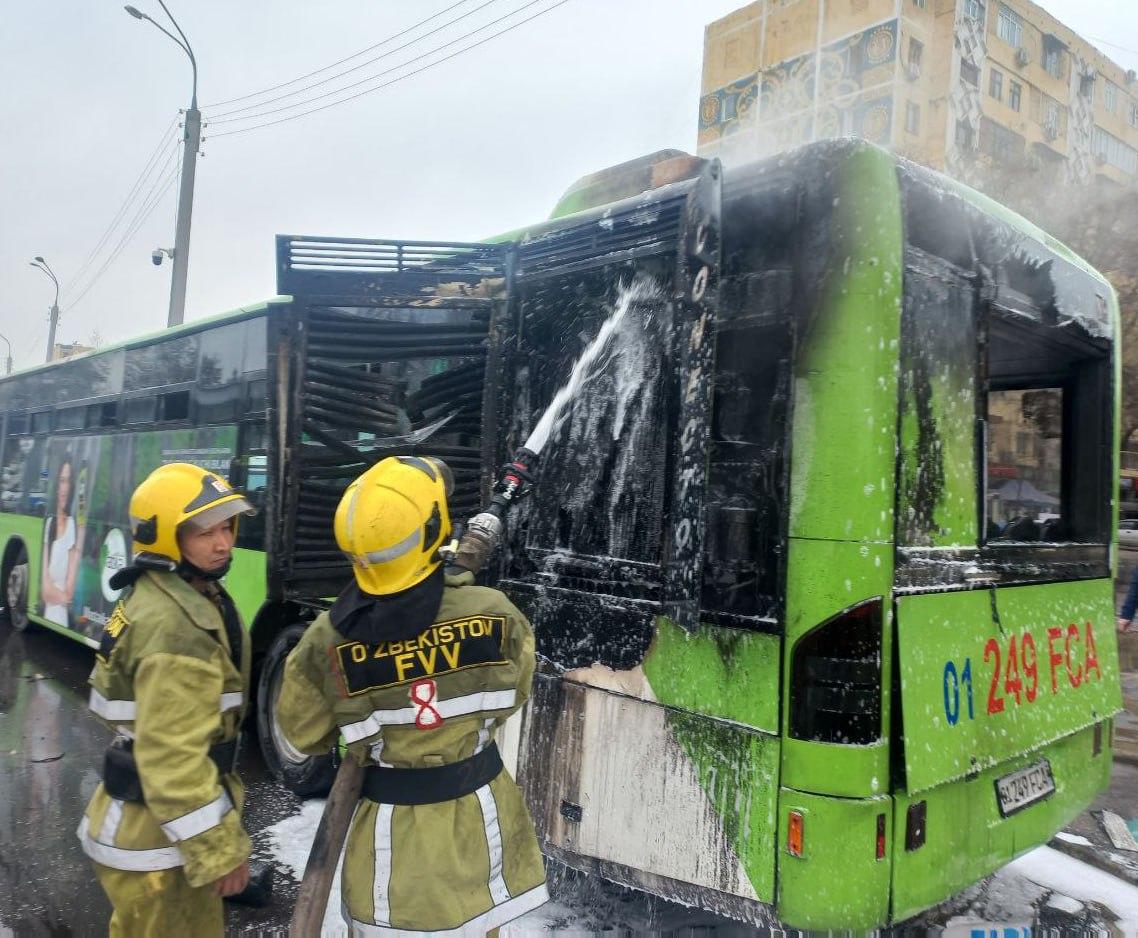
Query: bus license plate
point(1027, 786)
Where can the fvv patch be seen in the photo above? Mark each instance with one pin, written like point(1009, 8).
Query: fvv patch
point(112, 631)
point(444, 648)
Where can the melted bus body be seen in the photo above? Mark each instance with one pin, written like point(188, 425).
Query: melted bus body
point(819, 563)
point(858, 652)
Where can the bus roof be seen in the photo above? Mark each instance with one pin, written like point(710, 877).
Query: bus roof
point(198, 325)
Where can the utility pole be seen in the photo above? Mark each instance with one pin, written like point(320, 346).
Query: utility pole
point(191, 143)
point(40, 264)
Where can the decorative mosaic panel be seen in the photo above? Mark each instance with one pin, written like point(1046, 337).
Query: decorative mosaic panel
point(730, 108)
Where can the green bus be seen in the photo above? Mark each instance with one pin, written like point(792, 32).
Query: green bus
point(819, 561)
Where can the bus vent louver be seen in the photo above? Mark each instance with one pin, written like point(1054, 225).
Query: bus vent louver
point(342, 400)
point(299, 256)
point(630, 232)
point(391, 348)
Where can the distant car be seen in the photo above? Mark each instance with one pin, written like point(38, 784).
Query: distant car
point(1128, 533)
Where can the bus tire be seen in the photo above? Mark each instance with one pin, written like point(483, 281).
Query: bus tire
point(15, 579)
point(304, 775)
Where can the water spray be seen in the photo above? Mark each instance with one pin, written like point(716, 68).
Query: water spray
point(472, 546)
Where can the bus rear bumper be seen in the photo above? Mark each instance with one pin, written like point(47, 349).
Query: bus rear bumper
point(966, 837)
point(840, 879)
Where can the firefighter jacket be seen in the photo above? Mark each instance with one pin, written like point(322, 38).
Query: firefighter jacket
point(165, 679)
point(461, 865)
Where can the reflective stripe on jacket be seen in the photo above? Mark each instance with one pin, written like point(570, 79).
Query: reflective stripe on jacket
point(164, 678)
point(462, 866)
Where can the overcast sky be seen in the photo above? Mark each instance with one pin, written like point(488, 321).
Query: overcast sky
point(485, 142)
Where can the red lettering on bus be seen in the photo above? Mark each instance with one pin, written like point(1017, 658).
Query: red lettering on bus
point(1012, 683)
point(1092, 654)
point(1030, 665)
point(1074, 676)
point(1055, 657)
point(995, 702)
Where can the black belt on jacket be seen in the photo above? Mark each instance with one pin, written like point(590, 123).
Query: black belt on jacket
point(431, 785)
point(120, 771)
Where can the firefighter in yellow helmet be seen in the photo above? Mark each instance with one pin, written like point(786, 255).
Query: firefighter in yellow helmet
point(171, 672)
point(416, 669)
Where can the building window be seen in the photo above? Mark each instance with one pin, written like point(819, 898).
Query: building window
point(1052, 119)
point(974, 10)
point(1052, 55)
point(1015, 94)
point(1134, 115)
point(1009, 27)
point(969, 73)
point(996, 85)
point(1110, 97)
point(912, 117)
point(916, 53)
point(1002, 145)
point(1109, 150)
point(919, 3)
point(964, 135)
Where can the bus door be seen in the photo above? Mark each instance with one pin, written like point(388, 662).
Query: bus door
point(384, 350)
point(1007, 659)
point(606, 555)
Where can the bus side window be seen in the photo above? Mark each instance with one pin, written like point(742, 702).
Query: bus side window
point(250, 475)
point(1047, 433)
point(14, 463)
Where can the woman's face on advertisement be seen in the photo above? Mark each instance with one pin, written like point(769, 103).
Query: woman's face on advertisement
point(63, 489)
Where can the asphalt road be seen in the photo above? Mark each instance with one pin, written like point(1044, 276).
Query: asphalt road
point(50, 751)
point(51, 747)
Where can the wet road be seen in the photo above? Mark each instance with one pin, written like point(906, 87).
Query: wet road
point(51, 747)
point(50, 750)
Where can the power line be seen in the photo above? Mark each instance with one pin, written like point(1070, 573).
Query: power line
point(355, 55)
point(1114, 45)
point(144, 212)
point(393, 81)
point(220, 118)
point(164, 143)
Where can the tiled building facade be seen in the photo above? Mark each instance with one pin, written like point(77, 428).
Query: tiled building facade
point(959, 85)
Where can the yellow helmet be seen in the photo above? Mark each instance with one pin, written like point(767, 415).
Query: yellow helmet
point(174, 495)
point(392, 520)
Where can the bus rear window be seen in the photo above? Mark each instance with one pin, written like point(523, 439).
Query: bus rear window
point(1025, 465)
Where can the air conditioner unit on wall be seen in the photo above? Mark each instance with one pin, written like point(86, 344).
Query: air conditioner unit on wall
point(1023, 57)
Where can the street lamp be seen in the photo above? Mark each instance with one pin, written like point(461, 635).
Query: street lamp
point(191, 141)
point(9, 344)
point(40, 264)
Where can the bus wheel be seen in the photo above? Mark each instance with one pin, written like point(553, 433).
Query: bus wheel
point(304, 775)
point(16, 589)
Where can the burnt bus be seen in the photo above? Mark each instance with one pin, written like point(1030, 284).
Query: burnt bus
point(819, 560)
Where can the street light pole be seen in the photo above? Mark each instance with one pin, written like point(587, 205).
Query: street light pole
point(40, 264)
point(191, 143)
point(9, 344)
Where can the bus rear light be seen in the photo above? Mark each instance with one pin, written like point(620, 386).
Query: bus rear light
point(794, 834)
point(881, 836)
point(1097, 745)
point(835, 694)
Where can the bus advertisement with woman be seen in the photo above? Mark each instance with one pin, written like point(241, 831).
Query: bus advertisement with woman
point(85, 526)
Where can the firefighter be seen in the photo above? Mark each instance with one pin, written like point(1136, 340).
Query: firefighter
point(164, 828)
point(416, 669)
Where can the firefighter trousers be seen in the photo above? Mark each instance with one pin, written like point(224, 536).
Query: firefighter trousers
point(160, 904)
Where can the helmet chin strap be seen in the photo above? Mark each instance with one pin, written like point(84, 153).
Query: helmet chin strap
point(189, 571)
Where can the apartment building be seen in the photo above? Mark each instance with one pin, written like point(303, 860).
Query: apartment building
point(960, 85)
